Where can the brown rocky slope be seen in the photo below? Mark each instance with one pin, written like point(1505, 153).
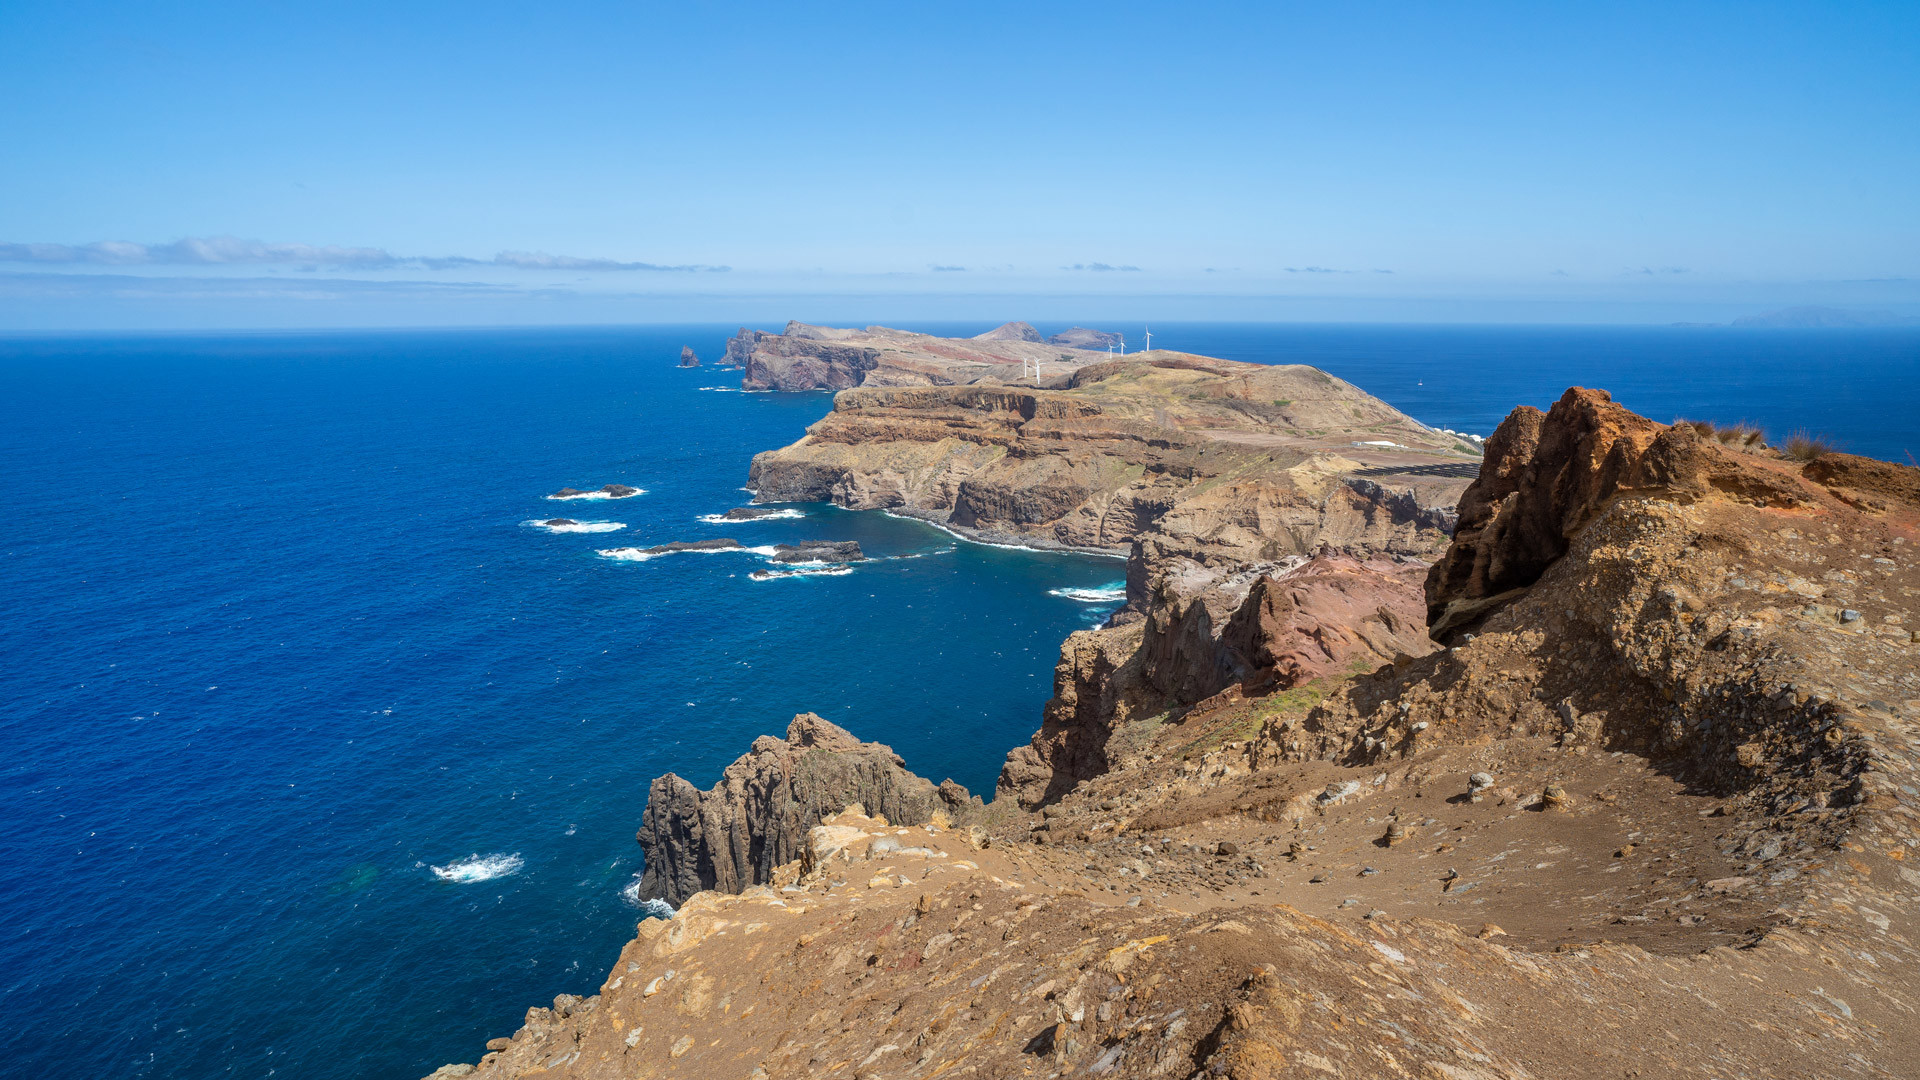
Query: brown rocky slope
point(1648, 809)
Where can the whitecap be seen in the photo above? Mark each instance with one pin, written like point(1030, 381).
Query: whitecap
point(801, 570)
point(479, 868)
point(1106, 594)
point(654, 909)
point(577, 526)
point(777, 515)
point(633, 554)
point(594, 495)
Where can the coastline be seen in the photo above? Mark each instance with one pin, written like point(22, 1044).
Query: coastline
point(1301, 643)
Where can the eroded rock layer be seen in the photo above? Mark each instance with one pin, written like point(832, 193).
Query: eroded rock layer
point(1650, 810)
point(758, 815)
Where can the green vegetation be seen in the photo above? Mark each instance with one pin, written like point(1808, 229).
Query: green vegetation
point(1282, 402)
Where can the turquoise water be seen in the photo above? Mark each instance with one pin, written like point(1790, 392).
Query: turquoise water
point(278, 644)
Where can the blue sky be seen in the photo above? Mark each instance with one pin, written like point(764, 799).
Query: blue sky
point(348, 164)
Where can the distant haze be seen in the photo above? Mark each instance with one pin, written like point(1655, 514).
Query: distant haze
point(245, 166)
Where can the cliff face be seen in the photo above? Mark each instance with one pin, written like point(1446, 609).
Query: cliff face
point(1254, 453)
point(1661, 781)
point(1207, 472)
point(758, 815)
point(806, 357)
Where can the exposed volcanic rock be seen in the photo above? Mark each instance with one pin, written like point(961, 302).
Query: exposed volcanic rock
point(818, 551)
point(612, 491)
point(1547, 475)
point(1093, 465)
point(1204, 471)
point(1666, 788)
point(806, 357)
point(1013, 331)
point(687, 357)
point(559, 521)
point(715, 544)
point(749, 513)
point(1709, 610)
point(1082, 338)
point(758, 815)
point(1331, 613)
point(1263, 626)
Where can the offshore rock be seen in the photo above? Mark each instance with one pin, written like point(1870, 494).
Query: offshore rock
point(759, 814)
point(818, 551)
point(687, 357)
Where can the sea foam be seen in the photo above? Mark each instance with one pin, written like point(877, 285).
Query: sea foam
point(802, 570)
point(633, 554)
point(479, 868)
point(777, 515)
point(578, 526)
point(1106, 594)
point(595, 495)
point(653, 909)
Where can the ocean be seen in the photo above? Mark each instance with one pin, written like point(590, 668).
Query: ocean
point(323, 760)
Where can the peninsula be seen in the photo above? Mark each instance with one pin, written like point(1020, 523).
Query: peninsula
point(1595, 756)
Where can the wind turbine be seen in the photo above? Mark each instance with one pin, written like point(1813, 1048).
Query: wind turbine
point(1149, 347)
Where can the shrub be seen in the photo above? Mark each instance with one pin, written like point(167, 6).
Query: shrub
point(1742, 436)
point(1803, 446)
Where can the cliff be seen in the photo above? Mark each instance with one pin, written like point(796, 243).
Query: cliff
point(758, 816)
point(804, 357)
point(1649, 810)
point(1207, 473)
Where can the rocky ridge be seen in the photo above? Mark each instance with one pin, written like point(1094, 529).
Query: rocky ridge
point(804, 357)
point(1646, 807)
point(759, 815)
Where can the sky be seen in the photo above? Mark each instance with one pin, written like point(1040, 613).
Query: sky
point(260, 164)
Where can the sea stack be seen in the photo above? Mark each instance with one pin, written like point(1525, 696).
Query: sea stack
point(687, 358)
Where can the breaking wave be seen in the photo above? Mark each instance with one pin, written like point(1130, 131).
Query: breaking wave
point(802, 570)
point(577, 526)
point(479, 868)
point(777, 515)
point(595, 495)
point(656, 909)
point(1106, 594)
point(632, 554)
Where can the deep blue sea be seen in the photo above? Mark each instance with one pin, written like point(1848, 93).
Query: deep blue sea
point(276, 642)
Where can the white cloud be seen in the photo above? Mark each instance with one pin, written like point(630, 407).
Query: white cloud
point(232, 251)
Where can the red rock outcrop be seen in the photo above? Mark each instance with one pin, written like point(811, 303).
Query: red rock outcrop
point(1325, 617)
